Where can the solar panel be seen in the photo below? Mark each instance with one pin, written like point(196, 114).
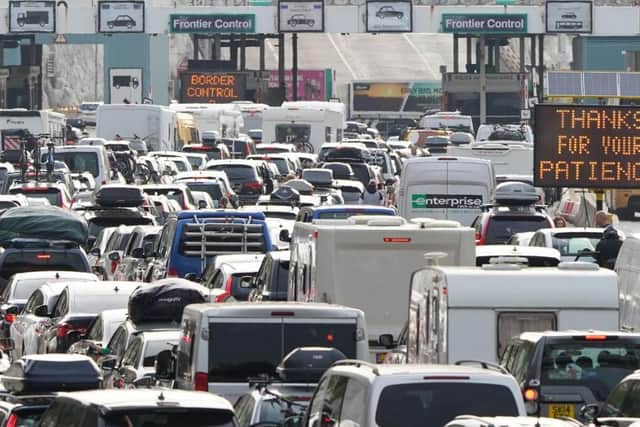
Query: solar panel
point(564, 83)
point(601, 84)
point(630, 84)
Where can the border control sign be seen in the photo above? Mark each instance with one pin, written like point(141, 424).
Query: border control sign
point(208, 24)
point(587, 146)
point(480, 23)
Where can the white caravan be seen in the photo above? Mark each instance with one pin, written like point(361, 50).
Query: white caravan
point(36, 122)
point(221, 118)
point(155, 124)
point(446, 187)
point(366, 262)
point(471, 313)
point(508, 158)
point(251, 114)
point(312, 122)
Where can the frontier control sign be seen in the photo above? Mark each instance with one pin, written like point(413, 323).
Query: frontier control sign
point(587, 146)
point(467, 23)
point(202, 24)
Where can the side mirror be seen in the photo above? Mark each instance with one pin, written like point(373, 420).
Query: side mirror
point(114, 256)
point(41, 311)
point(192, 277)
point(386, 340)
point(95, 252)
point(285, 236)
point(144, 382)
point(165, 365)
point(138, 253)
point(202, 204)
point(246, 282)
point(14, 310)
point(590, 412)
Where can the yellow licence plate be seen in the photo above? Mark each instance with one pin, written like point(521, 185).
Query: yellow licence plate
point(556, 411)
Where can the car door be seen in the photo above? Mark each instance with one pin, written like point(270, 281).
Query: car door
point(25, 321)
point(47, 342)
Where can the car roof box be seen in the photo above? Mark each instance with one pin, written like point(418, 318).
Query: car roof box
point(162, 302)
point(514, 193)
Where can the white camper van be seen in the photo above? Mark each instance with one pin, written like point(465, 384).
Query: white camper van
point(154, 124)
point(36, 122)
point(507, 158)
point(458, 313)
point(251, 114)
point(222, 345)
point(446, 187)
point(365, 261)
point(311, 123)
point(221, 118)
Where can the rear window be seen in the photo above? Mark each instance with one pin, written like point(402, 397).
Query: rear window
point(237, 173)
point(212, 189)
point(52, 194)
point(173, 416)
point(344, 214)
point(292, 133)
point(213, 153)
point(501, 228)
point(263, 345)
point(281, 278)
point(411, 404)
point(97, 224)
point(596, 364)
point(27, 261)
point(171, 193)
point(236, 146)
point(7, 205)
point(241, 286)
point(575, 244)
point(79, 161)
point(153, 348)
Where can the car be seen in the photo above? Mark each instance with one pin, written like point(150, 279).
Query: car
point(216, 189)
point(531, 256)
point(340, 170)
point(574, 243)
point(271, 282)
point(8, 201)
point(275, 147)
point(621, 407)
point(138, 408)
point(203, 200)
point(56, 193)
point(109, 260)
point(87, 111)
point(178, 192)
point(212, 151)
point(247, 178)
point(121, 21)
point(230, 276)
point(310, 213)
point(99, 332)
point(78, 305)
point(239, 148)
point(474, 421)
point(268, 407)
point(197, 160)
point(355, 392)
point(296, 20)
point(286, 167)
point(132, 262)
point(521, 239)
point(19, 410)
point(176, 157)
point(560, 371)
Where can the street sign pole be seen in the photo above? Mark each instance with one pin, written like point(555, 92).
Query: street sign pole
point(483, 80)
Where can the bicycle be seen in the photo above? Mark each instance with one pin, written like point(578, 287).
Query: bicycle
point(304, 147)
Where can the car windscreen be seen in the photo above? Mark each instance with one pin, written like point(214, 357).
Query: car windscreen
point(196, 162)
point(434, 404)
point(264, 345)
point(501, 228)
point(598, 364)
point(27, 261)
point(292, 133)
point(237, 173)
point(50, 194)
point(173, 416)
point(339, 171)
point(211, 188)
point(575, 244)
point(282, 165)
point(362, 173)
point(154, 347)
point(172, 193)
point(78, 161)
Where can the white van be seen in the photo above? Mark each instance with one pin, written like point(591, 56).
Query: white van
point(154, 124)
point(507, 158)
point(86, 158)
point(458, 313)
point(37, 122)
point(628, 269)
point(221, 118)
point(309, 122)
point(222, 345)
point(365, 261)
point(446, 187)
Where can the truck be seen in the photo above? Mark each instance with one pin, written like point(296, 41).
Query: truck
point(307, 124)
point(154, 124)
point(221, 118)
point(33, 17)
point(365, 261)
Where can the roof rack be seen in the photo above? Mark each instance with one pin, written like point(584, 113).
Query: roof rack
point(484, 365)
point(357, 364)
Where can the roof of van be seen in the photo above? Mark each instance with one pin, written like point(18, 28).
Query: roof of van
point(80, 148)
point(267, 309)
point(517, 287)
point(434, 159)
point(535, 336)
point(218, 214)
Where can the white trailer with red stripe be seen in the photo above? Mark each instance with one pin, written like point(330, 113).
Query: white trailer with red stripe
point(35, 122)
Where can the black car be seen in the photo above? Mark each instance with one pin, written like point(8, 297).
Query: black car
point(122, 21)
point(389, 12)
point(296, 20)
point(271, 282)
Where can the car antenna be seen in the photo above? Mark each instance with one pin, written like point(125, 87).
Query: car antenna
point(161, 397)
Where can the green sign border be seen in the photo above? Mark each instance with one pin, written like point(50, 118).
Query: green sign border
point(239, 15)
point(473, 15)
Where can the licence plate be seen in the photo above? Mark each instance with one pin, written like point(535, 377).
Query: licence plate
point(636, 214)
point(566, 410)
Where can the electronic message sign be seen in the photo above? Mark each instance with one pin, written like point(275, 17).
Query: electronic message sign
point(587, 146)
point(201, 87)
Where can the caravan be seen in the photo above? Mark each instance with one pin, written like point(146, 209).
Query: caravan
point(308, 124)
point(507, 157)
point(154, 124)
point(462, 313)
point(446, 187)
point(252, 114)
point(35, 122)
point(221, 118)
point(364, 261)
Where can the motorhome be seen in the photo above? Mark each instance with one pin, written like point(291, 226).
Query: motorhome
point(446, 187)
point(447, 120)
point(221, 118)
point(154, 124)
point(471, 313)
point(252, 114)
point(363, 262)
point(35, 122)
point(508, 158)
point(310, 123)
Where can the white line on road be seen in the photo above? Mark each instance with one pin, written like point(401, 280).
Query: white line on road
point(422, 57)
point(342, 58)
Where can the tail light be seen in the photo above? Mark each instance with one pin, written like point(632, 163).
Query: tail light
point(247, 150)
point(172, 272)
point(227, 290)
point(202, 382)
point(9, 318)
point(253, 185)
point(65, 328)
point(114, 266)
point(478, 238)
point(12, 421)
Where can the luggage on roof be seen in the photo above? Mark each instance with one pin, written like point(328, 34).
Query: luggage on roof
point(42, 221)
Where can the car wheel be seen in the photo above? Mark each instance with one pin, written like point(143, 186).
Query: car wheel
point(110, 25)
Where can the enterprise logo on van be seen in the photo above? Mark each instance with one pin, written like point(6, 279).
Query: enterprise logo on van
point(445, 201)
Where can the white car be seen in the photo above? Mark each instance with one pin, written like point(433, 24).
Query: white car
point(87, 111)
point(570, 241)
point(475, 421)
point(100, 331)
point(521, 239)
